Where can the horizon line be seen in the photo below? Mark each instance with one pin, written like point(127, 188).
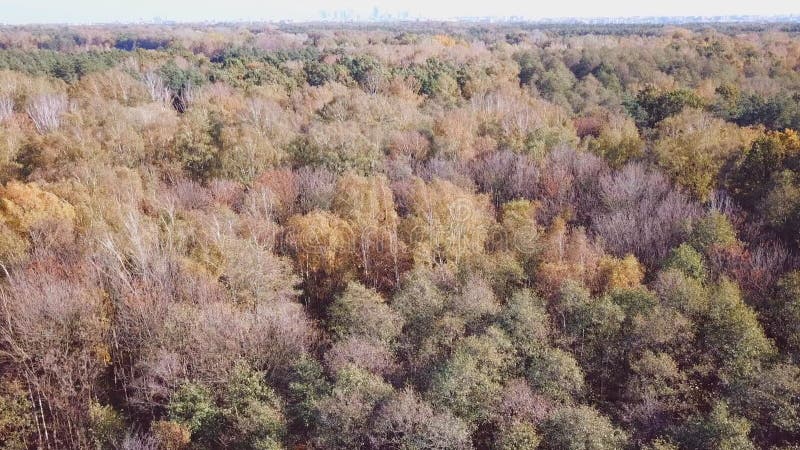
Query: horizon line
point(565, 20)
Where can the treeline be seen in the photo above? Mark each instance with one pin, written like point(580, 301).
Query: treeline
point(481, 237)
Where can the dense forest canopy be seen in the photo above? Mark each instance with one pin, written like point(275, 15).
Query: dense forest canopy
point(400, 236)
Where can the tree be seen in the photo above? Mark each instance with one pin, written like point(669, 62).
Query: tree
point(106, 425)
point(720, 429)
point(252, 412)
point(6, 107)
point(322, 246)
point(782, 313)
point(366, 71)
point(770, 400)
point(343, 417)
point(655, 395)
point(520, 230)
point(753, 175)
point(693, 147)
point(193, 407)
point(59, 345)
point(362, 352)
point(616, 273)
point(247, 414)
point(475, 304)
point(45, 111)
point(506, 175)
point(169, 435)
point(24, 206)
point(315, 189)
point(617, 142)
point(255, 275)
point(368, 205)
point(274, 194)
point(319, 73)
point(360, 311)
point(555, 374)
point(651, 106)
point(589, 326)
point(197, 144)
point(640, 213)
point(580, 427)
point(525, 320)
point(447, 224)
point(782, 205)
point(420, 301)
point(473, 375)
point(713, 230)
point(686, 259)
point(732, 334)
point(16, 422)
point(568, 256)
point(306, 386)
point(245, 152)
point(518, 436)
point(407, 422)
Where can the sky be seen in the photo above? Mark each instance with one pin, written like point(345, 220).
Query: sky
point(103, 11)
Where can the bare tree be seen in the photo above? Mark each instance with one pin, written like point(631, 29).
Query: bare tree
point(568, 183)
point(454, 171)
point(45, 111)
point(406, 421)
point(6, 107)
point(155, 87)
point(363, 352)
point(373, 81)
point(315, 188)
point(54, 335)
point(640, 213)
point(505, 175)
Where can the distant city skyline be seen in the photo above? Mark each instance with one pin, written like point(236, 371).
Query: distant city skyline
point(99, 11)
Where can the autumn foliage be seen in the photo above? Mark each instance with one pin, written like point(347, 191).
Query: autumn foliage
point(406, 236)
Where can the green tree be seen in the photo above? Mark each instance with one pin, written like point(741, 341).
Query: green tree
point(771, 400)
point(252, 413)
point(525, 320)
point(556, 374)
point(732, 334)
point(194, 407)
point(360, 311)
point(518, 436)
point(473, 376)
point(343, 417)
point(686, 259)
point(720, 429)
point(16, 420)
point(783, 314)
point(652, 106)
point(618, 142)
point(753, 175)
point(713, 230)
point(197, 144)
point(580, 428)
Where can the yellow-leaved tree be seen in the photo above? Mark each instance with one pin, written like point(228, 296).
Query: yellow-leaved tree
point(322, 246)
point(693, 146)
point(367, 204)
point(25, 208)
point(447, 224)
point(619, 273)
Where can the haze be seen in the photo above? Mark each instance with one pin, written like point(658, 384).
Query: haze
point(99, 11)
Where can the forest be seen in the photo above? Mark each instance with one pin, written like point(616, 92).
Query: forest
point(405, 236)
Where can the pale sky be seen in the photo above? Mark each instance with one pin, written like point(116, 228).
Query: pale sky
point(94, 11)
